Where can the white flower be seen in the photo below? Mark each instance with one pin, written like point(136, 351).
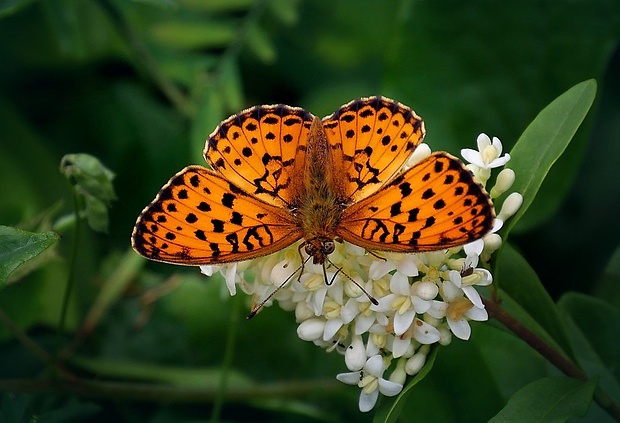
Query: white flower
point(457, 309)
point(371, 380)
point(423, 298)
point(488, 156)
point(419, 330)
point(403, 301)
point(480, 277)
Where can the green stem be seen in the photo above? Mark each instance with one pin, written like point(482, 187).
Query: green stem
point(170, 394)
point(229, 352)
point(71, 275)
point(555, 357)
point(33, 347)
point(24, 339)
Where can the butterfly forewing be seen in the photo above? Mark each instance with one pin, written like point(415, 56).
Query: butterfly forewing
point(434, 205)
point(370, 139)
point(262, 151)
point(201, 218)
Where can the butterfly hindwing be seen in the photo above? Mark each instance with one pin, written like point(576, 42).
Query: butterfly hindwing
point(198, 218)
point(434, 205)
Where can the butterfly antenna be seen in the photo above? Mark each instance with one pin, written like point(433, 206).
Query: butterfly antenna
point(370, 297)
point(260, 305)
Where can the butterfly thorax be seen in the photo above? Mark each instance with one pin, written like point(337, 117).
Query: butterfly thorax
point(321, 203)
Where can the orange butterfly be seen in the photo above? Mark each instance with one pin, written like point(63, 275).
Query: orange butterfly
point(280, 174)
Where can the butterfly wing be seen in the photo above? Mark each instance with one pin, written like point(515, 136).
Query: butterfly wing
point(436, 204)
point(370, 140)
point(262, 151)
point(198, 218)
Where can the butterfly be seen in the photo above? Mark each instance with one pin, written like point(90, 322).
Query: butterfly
point(279, 175)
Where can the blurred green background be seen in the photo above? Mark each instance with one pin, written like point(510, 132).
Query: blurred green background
point(141, 84)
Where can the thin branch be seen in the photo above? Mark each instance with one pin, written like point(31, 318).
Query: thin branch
point(559, 360)
point(152, 392)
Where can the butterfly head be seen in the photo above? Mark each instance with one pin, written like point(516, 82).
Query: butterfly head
point(319, 249)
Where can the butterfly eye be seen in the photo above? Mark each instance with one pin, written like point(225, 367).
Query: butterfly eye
point(328, 246)
point(310, 249)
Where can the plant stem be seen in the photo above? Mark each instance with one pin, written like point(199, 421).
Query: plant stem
point(559, 360)
point(25, 340)
point(157, 393)
point(231, 340)
point(72, 264)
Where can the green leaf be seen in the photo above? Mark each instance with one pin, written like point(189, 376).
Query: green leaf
point(194, 35)
point(519, 280)
point(544, 141)
point(261, 45)
point(231, 85)
point(285, 11)
point(92, 181)
point(18, 247)
point(390, 408)
point(210, 113)
point(594, 326)
point(548, 400)
point(608, 287)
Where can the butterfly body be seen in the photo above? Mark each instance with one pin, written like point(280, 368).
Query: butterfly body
point(279, 175)
point(321, 200)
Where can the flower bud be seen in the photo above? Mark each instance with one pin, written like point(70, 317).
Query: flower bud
point(311, 329)
point(511, 206)
point(415, 363)
point(504, 181)
point(355, 355)
point(427, 290)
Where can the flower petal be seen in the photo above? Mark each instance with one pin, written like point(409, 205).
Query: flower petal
point(473, 296)
point(380, 268)
point(400, 346)
point(483, 141)
point(438, 309)
point(374, 366)
point(420, 306)
point(331, 327)
point(455, 278)
point(477, 314)
point(399, 284)
point(402, 322)
point(231, 277)
point(407, 266)
point(472, 156)
point(351, 378)
point(368, 401)
point(475, 247)
point(389, 388)
point(425, 333)
point(363, 323)
point(460, 328)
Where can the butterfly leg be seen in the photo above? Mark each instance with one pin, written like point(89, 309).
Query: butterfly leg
point(376, 255)
point(303, 261)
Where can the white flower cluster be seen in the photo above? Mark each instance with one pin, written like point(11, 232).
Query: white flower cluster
point(424, 298)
